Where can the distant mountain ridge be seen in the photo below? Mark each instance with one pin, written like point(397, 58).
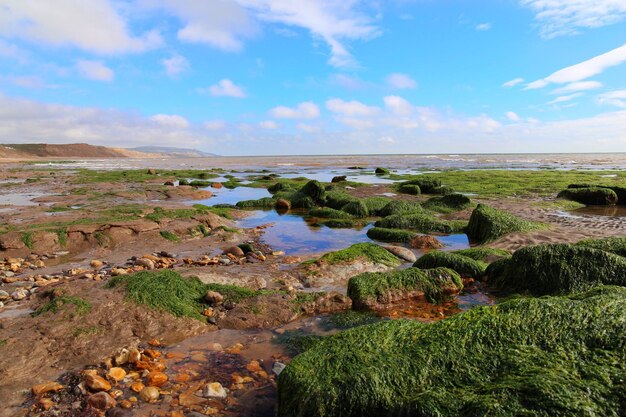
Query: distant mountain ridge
point(171, 151)
point(72, 150)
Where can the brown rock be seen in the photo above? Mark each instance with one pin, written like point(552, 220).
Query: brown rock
point(133, 355)
point(426, 242)
point(217, 185)
point(214, 298)
point(101, 401)
point(137, 386)
point(149, 394)
point(116, 374)
point(283, 204)
point(156, 379)
point(151, 171)
point(234, 250)
point(146, 263)
point(97, 383)
point(46, 387)
point(46, 403)
point(96, 264)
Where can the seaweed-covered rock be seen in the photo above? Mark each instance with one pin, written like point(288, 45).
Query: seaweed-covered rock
point(375, 205)
point(448, 203)
point(400, 207)
point(315, 190)
point(374, 290)
point(391, 235)
point(483, 254)
point(183, 181)
point(557, 269)
point(381, 171)
point(487, 224)
point(428, 185)
point(279, 186)
point(301, 200)
point(329, 213)
point(466, 267)
point(590, 196)
point(418, 221)
point(411, 189)
point(619, 191)
point(265, 202)
point(616, 245)
point(356, 208)
point(549, 356)
point(338, 223)
point(337, 199)
point(367, 251)
point(339, 178)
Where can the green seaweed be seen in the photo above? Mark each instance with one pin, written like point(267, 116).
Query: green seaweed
point(487, 224)
point(465, 266)
point(391, 235)
point(369, 251)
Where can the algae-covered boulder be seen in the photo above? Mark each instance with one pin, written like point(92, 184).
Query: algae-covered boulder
point(427, 185)
point(539, 357)
point(265, 202)
point(301, 200)
point(375, 290)
point(391, 235)
point(329, 213)
point(590, 196)
point(619, 191)
point(487, 224)
point(381, 171)
point(448, 203)
point(420, 222)
point(279, 186)
point(375, 205)
point(483, 254)
point(400, 207)
point(616, 245)
point(557, 269)
point(366, 251)
point(315, 190)
point(465, 266)
point(411, 189)
point(337, 199)
point(356, 208)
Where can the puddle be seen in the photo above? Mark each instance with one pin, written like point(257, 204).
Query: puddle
point(605, 211)
point(20, 199)
point(233, 196)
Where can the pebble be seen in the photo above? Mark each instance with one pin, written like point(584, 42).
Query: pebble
point(19, 295)
point(234, 250)
point(4, 295)
point(46, 387)
point(146, 263)
point(156, 379)
point(214, 297)
point(96, 264)
point(116, 374)
point(278, 368)
point(402, 253)
point(101, 401)
point(149, 394)
point(214, 390)
point(97, 383)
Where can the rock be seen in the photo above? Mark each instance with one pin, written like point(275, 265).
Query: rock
point(4, 295)
point(214, 390)
point(339, 178)
point(278, 368)
point(426, 242)
point(402, 253)
point(217, 185)
point(235, 251)
point(282, 204)
point(101, 401)
point(96, 264)
point(97, 383)
point(169, 183)
point(146, 263)
point(151, 171)
point(19, 295)
point(46, 387)
point(121, 357)
point(118, 271)
point(133, 355)
point(46, 403)
point(116, 374)
point(156, 379)
point(149, 394)
point(214, 298)
point(9, 274)
point(137, 386)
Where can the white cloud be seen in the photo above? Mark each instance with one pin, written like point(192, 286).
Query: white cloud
point(25, 81)
point(94, 70)
point(578, 86)
point(333, 22)
point(304, 110)
point(171, 120)
point(94, 26)
point(398, 105)
point(269, 124)
point(308, 128)
point(615, 98)
point(401, 81)
point(350, 108)
point(567, 17)
point(215, 125)
point(512, 116)
point(513, 82)
point(175, 65)
point(564, 99)
point(583, 70)
point(226, 88)
point(483, 27)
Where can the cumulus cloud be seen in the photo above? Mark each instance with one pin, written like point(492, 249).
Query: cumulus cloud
point(401, 81)
point(512, 116)
point(513, 82)
point(226, 88)
point(175, 65)
point(615, 98)
point(171, 120)
point(94, 70)
point(350, 108)
point(94, 26)
point(567, 17)
point(586, 69)
point(304, 110)
point(269, 124)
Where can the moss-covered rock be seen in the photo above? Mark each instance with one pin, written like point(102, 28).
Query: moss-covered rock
point(367, 251)
point(400, 207)
point(448, 203)
point(465, 266)
point(590, 196)
point(619, 191)
point(337, 199)
point(420, 222)
point(375, 205)
point(356, 208)
point(539, 357)
point(616, 245)
point(483, 254)
point(381, 171)
point(374, 290)
point(265, 202)
point(428, 185)
point(315, 190)
point(487, 224)
point(279, 186)
point(411, 189)
point(557, 269)
point(339, 223)
point(329, 213)
point(301, 200)
point(391, 235)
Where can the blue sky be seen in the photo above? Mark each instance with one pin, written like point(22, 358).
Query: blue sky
point(251, 77)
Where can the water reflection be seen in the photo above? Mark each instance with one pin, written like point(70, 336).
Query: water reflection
point(606, 211)
point(233, 196)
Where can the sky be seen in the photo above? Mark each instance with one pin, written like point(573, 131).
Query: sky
point(284, 77)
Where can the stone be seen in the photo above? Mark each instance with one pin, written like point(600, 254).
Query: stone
point(96, 264)
point(169, 183)
point(97, 383)
point(146, 263)
point(118, 271)
point(149, 394)
point(214, 390)
point(101, 401)
point(19, 295)
point(137, 386)
point(235, 251)
point(156, 379)
point(214, 298)
point(151, 171)
point(339, 178)
point(282, 204)
point(9, 274)
point(278, 368)
point(133, 355)
point(116, 374)
point(122, 357)
point(402, 253)
point(46, 387)
point(426, 242)
point(46, 403)
point(4, 295)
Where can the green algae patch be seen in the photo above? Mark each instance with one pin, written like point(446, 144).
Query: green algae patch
point(337, 199)
point(400, 207)
point(391, 235)
point(171, 236)
point(557, 269)
point(590, 196)
point(411, 189)
point(60, 302)
point(375, 205)
point(463, 265)
point(329, 213)
point(356, 208)
point(420, 222)
point(373, 289)
point(265, 202)
point(448, 203)
point(537, 357)
point(368, 251)
point(483, 254)
point(487, 224)
point(616, 245)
